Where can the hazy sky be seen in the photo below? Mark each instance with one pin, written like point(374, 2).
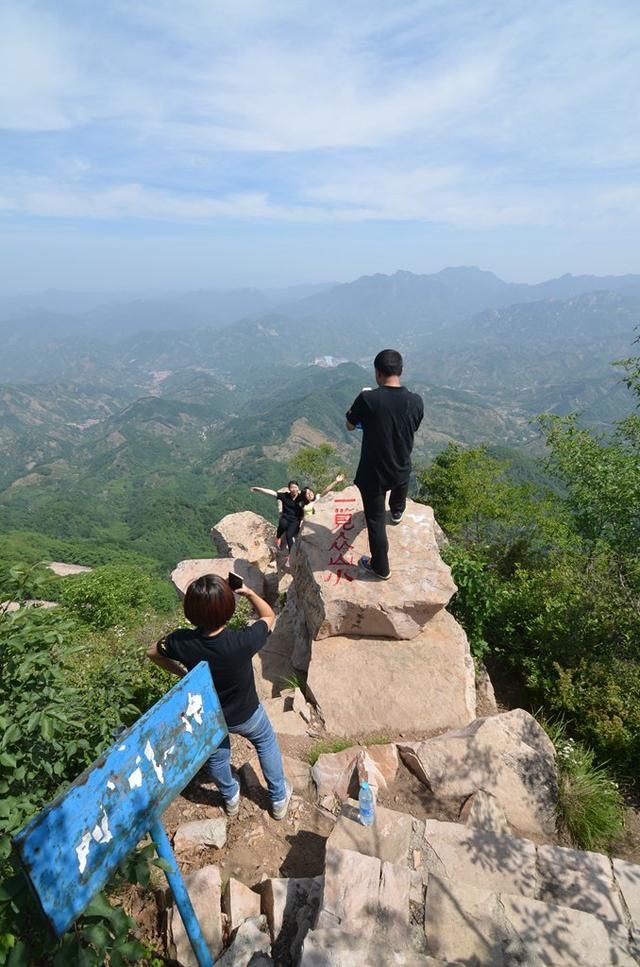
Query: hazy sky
point(183, 143)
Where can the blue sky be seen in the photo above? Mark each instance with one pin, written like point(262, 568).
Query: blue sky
point(156, 144)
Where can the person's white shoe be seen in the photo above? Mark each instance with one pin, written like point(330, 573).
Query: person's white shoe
point(280, 809)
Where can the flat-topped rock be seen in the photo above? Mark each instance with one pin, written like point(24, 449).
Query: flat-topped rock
point(370, 686)
point(187, 571)
point(245, 536)
point(508, 755)
point(339, 599)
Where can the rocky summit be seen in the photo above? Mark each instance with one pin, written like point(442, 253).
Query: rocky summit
point(469, 873)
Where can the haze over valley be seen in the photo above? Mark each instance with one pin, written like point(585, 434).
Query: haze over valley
point(108, 408)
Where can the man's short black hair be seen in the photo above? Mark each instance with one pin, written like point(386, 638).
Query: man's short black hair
point(294, 482)
point(388, 363)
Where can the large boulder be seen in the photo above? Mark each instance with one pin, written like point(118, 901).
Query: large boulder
point(246, 536)
point(371, 686)
point(339, 599)
point(509, 756)
point(187, 571)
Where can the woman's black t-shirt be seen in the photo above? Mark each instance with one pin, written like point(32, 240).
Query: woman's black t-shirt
point(228, 655)
point(291, 508)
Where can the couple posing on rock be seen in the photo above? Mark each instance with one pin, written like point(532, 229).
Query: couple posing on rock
point(296, 504)
point(389, 417)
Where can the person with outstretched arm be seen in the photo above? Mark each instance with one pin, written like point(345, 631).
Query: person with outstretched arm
point(291, 511)
point(209, 603)
point(389, 416)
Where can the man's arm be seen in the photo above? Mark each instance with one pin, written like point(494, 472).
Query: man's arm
point(355, 413)
point(169, 664)
point(264, 490)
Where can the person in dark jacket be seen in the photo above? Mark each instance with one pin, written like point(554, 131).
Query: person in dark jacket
point(389, 417)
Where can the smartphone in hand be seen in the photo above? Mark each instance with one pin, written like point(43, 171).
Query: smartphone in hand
point(235, 581)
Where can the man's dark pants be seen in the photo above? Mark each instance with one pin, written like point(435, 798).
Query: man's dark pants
point(375, 515)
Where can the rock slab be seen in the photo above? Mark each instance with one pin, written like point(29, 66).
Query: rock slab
point(204, 888)
point(339, 599)
point(508, 756)
point(371, 686)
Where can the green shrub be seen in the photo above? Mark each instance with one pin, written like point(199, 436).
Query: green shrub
point(115, 595)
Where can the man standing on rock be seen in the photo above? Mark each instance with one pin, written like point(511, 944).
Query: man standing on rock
point(389, 417)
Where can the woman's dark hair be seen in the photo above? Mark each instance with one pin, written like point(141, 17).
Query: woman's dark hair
point(209, 602)
point(388, 363)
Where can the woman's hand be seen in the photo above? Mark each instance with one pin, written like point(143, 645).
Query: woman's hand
point(340, 478)
point(245, 592)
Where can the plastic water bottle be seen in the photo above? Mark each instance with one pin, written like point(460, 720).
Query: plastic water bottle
point(367, 804)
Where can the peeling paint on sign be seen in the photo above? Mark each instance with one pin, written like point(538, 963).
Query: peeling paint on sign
point(135, 779)
point(151, 756)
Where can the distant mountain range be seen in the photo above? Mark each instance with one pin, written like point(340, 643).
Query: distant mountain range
point(111, 410)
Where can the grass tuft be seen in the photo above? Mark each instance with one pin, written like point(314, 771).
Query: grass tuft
point(328, 746)
point(590, 807)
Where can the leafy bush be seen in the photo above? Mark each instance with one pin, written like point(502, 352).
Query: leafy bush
point(59, 699)
point(549, 580)
point(114, 595)
point(315, 466)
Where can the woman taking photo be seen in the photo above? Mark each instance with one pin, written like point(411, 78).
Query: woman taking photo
point(209, 604)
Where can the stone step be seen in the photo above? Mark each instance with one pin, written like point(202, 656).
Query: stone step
point(332, 947)
point(466, 856)
point(478, 926)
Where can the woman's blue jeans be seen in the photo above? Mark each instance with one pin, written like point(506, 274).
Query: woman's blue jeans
point(259, 731)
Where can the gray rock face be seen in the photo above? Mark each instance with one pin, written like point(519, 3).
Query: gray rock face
point(246, 536)
point(333, 947)
point(339, 599)
point(366, 686)
point(508, 756)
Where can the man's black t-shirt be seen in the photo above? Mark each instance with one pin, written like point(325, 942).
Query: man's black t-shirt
point(229, 657)
point(290, 506)
point(390, 416)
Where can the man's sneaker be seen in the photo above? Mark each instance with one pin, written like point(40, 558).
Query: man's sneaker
point(232, 806)
point(396, 516)
point(280, 809)
point(365, 564)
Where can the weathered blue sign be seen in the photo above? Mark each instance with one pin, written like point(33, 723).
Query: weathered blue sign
point(72, 847)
